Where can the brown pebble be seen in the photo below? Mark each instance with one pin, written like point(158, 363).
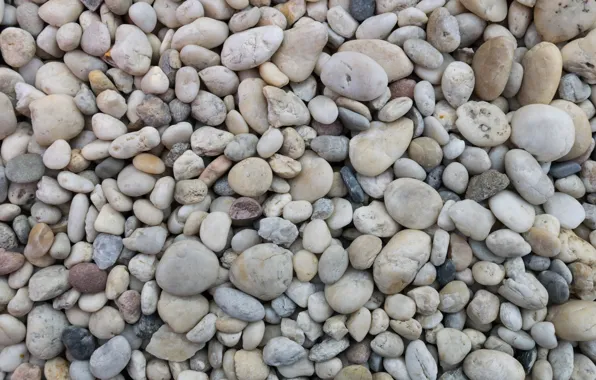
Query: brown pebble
point(26, 371)
point(10, 261)
point(333, 129)
point(40, 241)
point(460, 252)
point(129, 304)
point(87, 278)
point(244, 210)
point(402, 87)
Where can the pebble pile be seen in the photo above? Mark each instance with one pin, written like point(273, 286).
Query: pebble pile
point(291, 189)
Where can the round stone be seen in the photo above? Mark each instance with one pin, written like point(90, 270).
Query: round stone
point(187, 268)
point(350, 292)
point(413, 203)
point(263, 271)
point(483, 124)
point(25, 168)
point(251, 177)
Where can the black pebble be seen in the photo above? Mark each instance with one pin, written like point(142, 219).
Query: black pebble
point(354, 188)
point(79, 342)
point(147, 325)
point(527, 359)
point(446, 273)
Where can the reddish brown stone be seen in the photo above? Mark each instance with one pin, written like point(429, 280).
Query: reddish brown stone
point(26, 371)
point(129, 304)
point(215, 170)
point(87, 278)
point(244, 210)
point(10, 261)
point(402, 87)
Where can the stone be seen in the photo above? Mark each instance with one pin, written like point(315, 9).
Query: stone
point(48, 283)
point(25, 168)
point(285, 108)
point(111, 358)
point(492, 65)
point(79, 342)
point(494, 12)
point(250, 48)
point(106, 249)
point(482, 124)
point(412, 203)
point(250, 177)
point(367, 78)
point(252, 272)
point(512, 211)
point(239, 305)
point(566, 209)
point(87, 278)
point(168, 345)
point(556, 286)
point(527, 177)
point(561, 22)
point(485, 185)
point(482, 363)
point(541, 80)
point(178, 269)
point(44, 330)
point(281, 351)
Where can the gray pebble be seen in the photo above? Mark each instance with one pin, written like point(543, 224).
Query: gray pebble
point(3, 184)
point(242, 146)
point(556, 286)
point(572, 88)
point(179, 110)
point(222, 187)
point(278, 230)
point(8, 239)
point(281, 351)
point(239, 305)
point(561, 269)
point(561, 359)
point(109, 168)
point(283, 306)
point(328, 349)
point(25, 168)
point(564, 169)
point(435, 177)
point(111, 358)
point(21, 228)
point(353, 120)
point(154, 112)
point(536, 263)
point(354, 189)
point(106, 249)
point(322, 209)
point(331, 148)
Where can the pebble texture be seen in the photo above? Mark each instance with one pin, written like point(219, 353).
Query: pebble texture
point(291, 189)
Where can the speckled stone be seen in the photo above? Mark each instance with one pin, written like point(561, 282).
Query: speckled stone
point(354, 188)
point(485, 185)
point(79, 342)
point(435, 177)
point(147, 325)
point(362, 9)
point(222, 187)
point(87, 278)
point(564, 169)
point(25, 168)
point(446, 273)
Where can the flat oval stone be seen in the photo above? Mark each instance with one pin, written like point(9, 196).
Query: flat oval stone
point(187, 268)
point(239, 305)
point(543, 66)
point(489, 10)
point(492, 65)
point(315, 178)
point(354, 75)
point(413, 203)
point(483, 124)
point(10, 261)
point(544, 131)
point(248, 49)
point(389, 56)
point(492, 364)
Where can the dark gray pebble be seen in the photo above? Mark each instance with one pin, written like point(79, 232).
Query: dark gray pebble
point(362, 9)
point(79, 342)
point(561, 269)
point(485, 185)
point(154, 112)
point(556, 286)
point(8, 239)
point(435, 177)
point(147, 326)
point(354, 188)
point(179, 110)
point(21, 228)
point(536, 263)
point(446, 272)
point(109, 168)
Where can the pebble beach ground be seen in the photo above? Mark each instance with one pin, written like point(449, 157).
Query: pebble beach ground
point(272, 189)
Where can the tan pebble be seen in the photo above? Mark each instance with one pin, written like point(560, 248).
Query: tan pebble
point(272, 75)
point(543, 66)
point(40, 241)
point(492, 65)
point(149, 163)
